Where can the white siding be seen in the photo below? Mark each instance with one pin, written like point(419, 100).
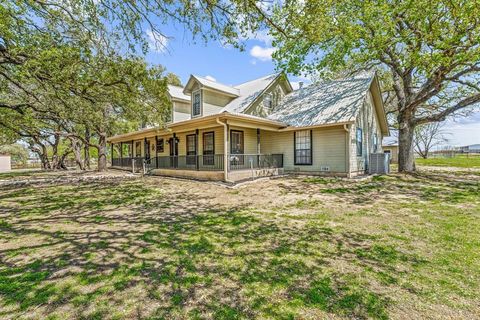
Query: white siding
point(213, 102)
point(277, 90)
point(328, 149)
point(367, 120)
point(181, 111)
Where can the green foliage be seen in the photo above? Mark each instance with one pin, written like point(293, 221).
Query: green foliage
point(77, 67)
point(173, 79)
point(426, 53)
point(18, 152)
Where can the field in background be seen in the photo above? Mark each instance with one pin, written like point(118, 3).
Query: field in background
point(400, 247)
point(461, 161)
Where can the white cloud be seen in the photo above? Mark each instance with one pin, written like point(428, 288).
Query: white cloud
point(260, 36)
point(158, 42)
point(211, 78)
point(463, 130)
point(262, 53)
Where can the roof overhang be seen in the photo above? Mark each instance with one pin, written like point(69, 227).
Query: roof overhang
point(201, 123)
point(192, 80)
point(379, 106)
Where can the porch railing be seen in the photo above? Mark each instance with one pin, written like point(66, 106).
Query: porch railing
point(203, 162)
point(212, 162)
point(126, 163)
point(255, 161)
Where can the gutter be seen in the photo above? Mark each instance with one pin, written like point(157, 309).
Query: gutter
point(225, 148)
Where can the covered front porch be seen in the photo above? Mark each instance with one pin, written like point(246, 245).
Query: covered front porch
point(196, 149)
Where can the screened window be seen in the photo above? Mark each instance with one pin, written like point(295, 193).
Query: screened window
point(303, 147)
point(197, 100)
point(160, 145)
point(359, 142)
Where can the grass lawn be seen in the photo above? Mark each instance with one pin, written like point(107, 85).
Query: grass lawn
point(399, 247)
point(462, 161)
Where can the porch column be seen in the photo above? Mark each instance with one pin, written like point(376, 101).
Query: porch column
point(196, 150)
point(258, 147)
point(226, 162)
point(258, 141)
point(145, 148)
point(156, 152)
point(111, 153)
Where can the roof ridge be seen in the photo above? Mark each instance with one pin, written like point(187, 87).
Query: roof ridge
point(223, 84)
point(268, 75)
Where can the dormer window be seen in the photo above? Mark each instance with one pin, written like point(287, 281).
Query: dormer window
point(268, 101)
point(197, 103)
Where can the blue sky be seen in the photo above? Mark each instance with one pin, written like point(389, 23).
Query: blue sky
point(227, 65)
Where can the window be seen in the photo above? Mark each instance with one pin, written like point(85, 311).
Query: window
point(160, 145)
point(268, 101)
point(208, 148)
point(359, 142)
point(197, 101)
point(138, 149)
point(303, 147)
point(236, 147)
point(191, 149)
point(236, 142)
point(375, 142)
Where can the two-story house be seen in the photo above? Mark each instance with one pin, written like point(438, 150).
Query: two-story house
point(260, 128)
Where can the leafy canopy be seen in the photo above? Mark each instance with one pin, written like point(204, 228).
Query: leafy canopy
point(427, 51)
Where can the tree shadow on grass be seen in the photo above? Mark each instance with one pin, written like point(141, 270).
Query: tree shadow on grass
point(101, 245)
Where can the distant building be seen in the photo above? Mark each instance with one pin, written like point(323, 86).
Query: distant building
point(390, 146)
point(473, 148)
point(5, 163)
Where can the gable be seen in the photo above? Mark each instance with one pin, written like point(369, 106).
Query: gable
point(330, 102)
point(252, 91)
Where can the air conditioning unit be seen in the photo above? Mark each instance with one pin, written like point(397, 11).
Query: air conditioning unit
point(325, 168)
point(379, 163)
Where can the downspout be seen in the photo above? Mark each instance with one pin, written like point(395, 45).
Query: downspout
point(225, 148)
point(346, 127)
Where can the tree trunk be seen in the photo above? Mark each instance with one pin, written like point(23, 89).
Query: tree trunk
point(102, 152)
point(86, 149)
point(61, 162)
point(406, 159)
point(77, 152)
